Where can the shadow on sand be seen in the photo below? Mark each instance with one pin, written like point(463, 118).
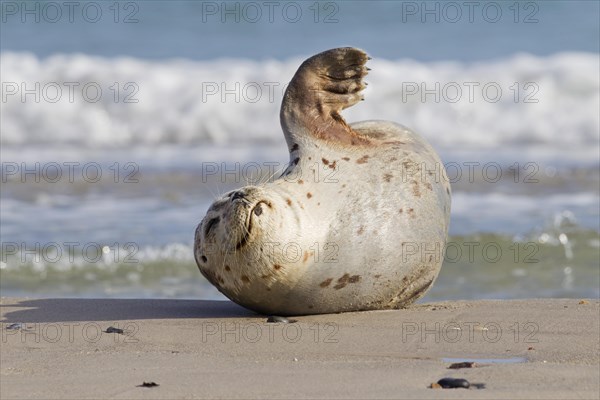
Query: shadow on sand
point(64, 310)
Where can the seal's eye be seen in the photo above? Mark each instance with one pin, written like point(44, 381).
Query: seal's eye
point(258, 210)
point(210, 224)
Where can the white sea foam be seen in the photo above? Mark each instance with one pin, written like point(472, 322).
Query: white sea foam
point(233, 101)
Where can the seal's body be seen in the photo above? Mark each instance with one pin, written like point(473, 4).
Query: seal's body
point(358, 220)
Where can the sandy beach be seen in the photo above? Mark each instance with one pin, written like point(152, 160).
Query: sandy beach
point(60, 348)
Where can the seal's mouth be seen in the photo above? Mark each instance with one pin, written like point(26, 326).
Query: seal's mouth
point(257, 210)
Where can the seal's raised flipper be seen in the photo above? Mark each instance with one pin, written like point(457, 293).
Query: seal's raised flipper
point(324, 85)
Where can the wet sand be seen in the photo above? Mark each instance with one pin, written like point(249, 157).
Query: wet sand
point(59, 348)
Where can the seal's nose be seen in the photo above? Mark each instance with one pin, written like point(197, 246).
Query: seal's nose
point(238, 195)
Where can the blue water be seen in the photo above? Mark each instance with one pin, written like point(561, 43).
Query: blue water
point(197, 30)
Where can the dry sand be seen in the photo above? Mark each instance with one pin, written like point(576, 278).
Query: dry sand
point(55, 348)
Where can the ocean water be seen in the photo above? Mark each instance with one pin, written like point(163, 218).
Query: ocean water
point(122, 121)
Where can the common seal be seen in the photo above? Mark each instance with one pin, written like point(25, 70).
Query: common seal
point(357, 221)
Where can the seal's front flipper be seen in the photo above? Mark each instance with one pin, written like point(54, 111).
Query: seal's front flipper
point(324, 85)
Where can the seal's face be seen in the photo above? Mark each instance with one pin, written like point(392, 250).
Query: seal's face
point(235, 220)
point(234, 229)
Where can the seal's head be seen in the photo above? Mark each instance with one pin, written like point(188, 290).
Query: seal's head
point(237, 238)
point(236, 219)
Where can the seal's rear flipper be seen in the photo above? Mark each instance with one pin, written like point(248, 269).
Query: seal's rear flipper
point(324, 85)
